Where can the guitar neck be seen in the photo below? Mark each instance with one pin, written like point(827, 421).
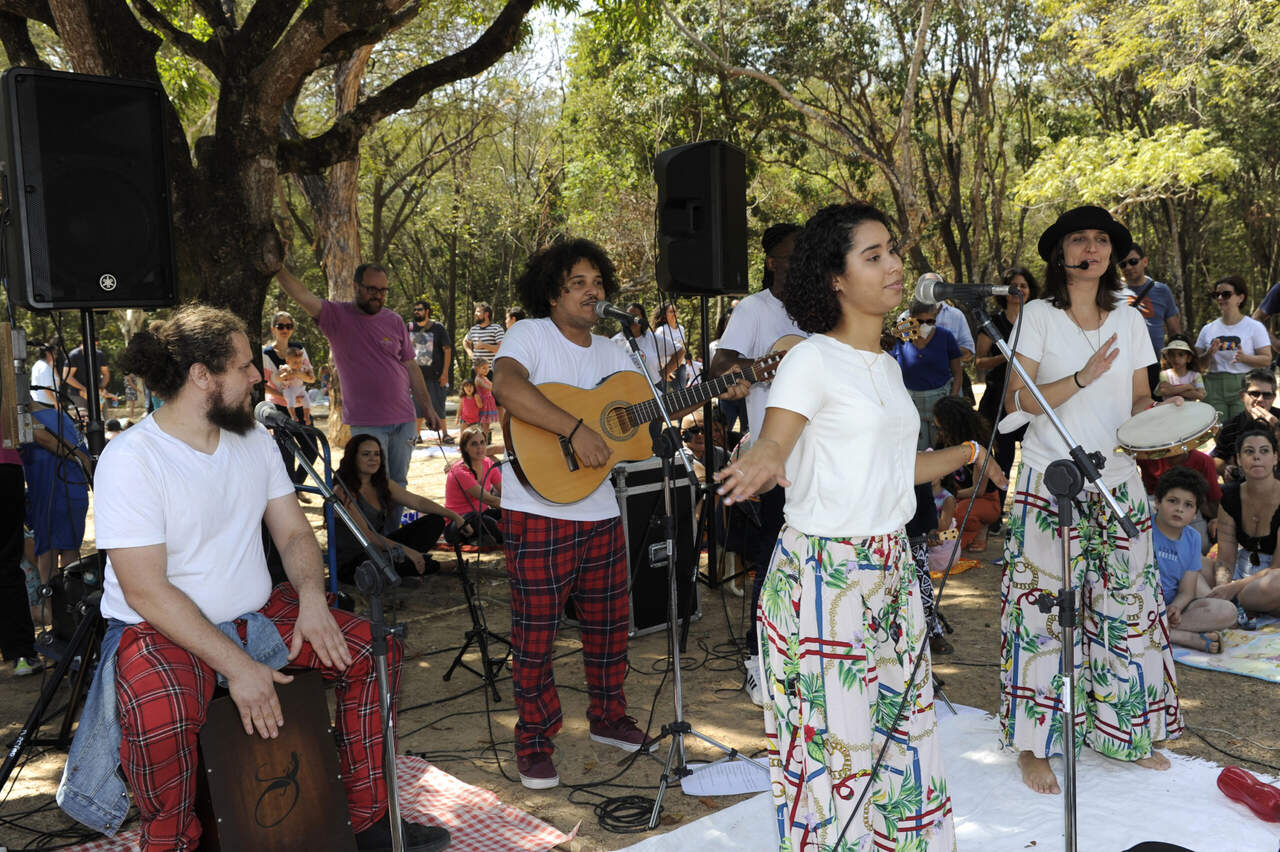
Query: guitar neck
point(678, 400)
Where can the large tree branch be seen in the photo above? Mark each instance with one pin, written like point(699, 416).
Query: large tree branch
point(341, 141)
point(262, 28)
point(341, 49)
point(36, 10)
point(16, 40)
point(201, 51)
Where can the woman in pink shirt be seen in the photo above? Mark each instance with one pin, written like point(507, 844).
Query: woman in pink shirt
point(474, 483)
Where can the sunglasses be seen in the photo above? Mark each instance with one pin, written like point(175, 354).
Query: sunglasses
point(284, 326)
point(1133, 261)
point(1253, 559)
point(691, 432)
point(1255, 394)
point(1222, 294)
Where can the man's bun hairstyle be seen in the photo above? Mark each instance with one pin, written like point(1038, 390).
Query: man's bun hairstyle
point(164, 352)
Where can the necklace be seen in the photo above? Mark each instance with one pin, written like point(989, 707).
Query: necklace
point(871, 374)
point(1095, 343)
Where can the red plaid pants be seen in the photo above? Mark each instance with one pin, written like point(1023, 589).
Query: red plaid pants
point(163, 692)
point(549, 561)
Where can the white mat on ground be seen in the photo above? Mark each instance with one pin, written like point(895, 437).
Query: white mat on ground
point(1119, 805)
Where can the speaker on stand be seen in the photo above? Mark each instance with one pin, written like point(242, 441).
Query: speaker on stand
point(702, 242)
point(87, 221)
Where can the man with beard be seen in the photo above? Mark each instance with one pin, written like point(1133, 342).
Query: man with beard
point(179, 502)
point(377, 366)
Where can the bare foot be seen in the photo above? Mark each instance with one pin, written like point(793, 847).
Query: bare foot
point(1037, 775)
point(1156, 761)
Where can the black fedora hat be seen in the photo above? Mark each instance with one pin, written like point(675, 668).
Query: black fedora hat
point(1082, 219)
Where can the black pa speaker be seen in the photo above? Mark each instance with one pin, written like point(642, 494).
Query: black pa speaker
point(702, 219)
point(86, 192)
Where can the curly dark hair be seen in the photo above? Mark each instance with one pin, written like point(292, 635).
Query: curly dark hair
point(544, 273)
point(165, 351)
point(1033, 289)
point(1055, 282)
point(350, 474)
point(1185, 478)
point(818, 258)
point(959, 422)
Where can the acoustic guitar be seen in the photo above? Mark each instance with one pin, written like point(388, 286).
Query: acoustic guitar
point(617, 409)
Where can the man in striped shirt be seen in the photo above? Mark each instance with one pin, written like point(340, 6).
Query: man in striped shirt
point(483, 338)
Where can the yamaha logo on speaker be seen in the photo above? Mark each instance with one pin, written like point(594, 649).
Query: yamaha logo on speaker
point(107, 282)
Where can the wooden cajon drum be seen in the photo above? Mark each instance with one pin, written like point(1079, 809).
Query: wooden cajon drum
point(273, 795)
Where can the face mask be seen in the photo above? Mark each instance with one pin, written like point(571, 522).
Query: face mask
point(926, 329)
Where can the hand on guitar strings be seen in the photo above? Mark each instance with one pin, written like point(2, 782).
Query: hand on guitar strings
point(758, 470)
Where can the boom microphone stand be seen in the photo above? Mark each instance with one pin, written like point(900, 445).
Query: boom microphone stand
point(1065, 480)
point(666, 446)
point(373, 577)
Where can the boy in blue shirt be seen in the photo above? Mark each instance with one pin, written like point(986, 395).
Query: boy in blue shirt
point(1194, 617)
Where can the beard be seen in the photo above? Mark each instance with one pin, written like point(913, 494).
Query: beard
point(233, 417)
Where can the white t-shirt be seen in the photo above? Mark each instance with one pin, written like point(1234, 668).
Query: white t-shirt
point(953, 320)
point(549, 356)
point(756, 324)
point(648, 351)
point(1247, 336)
point(669, 341)
point(1092, 414)
point(42, 374)
point(206, 509)
point(852, 470)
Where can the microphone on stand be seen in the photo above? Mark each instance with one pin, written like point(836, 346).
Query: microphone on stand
point(931, 289)
point(607, 310)
point(271, 417)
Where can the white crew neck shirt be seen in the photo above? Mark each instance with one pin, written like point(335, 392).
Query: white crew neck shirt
point(756, 324)
point(549, 356)
point(852, 470)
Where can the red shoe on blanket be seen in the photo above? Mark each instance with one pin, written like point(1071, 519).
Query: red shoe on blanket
point(1240, 786)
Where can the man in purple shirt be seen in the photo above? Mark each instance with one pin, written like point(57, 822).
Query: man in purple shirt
point(377, 367)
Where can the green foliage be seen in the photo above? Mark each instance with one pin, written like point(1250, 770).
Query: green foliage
point(1125, 168)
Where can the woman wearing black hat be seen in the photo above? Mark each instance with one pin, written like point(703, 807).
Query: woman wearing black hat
point(1088, 352)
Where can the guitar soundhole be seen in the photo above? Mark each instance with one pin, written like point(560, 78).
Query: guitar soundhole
point(616, 424)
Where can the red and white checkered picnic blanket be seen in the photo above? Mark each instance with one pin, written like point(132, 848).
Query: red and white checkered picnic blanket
point(476, 819)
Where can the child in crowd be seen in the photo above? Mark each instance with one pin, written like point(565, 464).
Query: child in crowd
point(1205, 521)
point(292, 387)
point(484, 396)
point(955, 421)
point(940, 549)
point(468, 405)
point(1178, 378)
point(1194, 617)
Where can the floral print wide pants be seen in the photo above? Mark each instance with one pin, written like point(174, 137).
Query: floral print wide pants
point(841, 625)
point(1126, 696)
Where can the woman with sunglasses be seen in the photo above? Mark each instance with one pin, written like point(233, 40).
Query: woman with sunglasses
point(1248, 522)
point(1230, 346)
point(275, 372)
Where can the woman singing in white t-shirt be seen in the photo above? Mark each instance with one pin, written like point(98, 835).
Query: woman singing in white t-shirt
point(840, 619)
point(1088, 352)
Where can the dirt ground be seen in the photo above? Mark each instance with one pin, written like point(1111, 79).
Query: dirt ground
point(448, 722)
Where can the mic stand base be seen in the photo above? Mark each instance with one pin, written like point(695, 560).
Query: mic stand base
point(480, 634)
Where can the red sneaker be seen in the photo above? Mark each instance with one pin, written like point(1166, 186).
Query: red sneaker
point(621, 733)
point(537, 772)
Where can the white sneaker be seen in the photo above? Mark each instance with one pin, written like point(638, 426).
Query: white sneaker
point(752, 683)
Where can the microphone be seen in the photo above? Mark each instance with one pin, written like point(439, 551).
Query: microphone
point(607, 310)
point(271, 417)
point(931, 289)
point(1084, 264)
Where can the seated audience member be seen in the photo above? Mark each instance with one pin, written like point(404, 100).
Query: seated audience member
point(1257, 393)
point(1179, 377)
point(473, 486)
point(57, 490)
point(1194, 616)
point(1248, 521)
point(931, 367)
point(1206, 519)
point(955, 421)
point(368, 495)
